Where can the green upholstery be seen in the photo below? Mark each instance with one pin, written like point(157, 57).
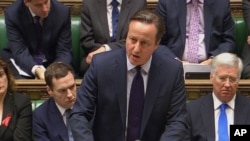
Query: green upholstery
point(3, 37)
point(36, 103)
point(240, 35)
point(75, 32)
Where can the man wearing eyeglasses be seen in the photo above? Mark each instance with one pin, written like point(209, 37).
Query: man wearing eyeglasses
point(209, 117)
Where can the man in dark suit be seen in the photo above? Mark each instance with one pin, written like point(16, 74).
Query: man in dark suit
point(104, 102)
point(204, 113)
point(50, 119)
point(215, 28)
point(38, 34)
point(97, 29)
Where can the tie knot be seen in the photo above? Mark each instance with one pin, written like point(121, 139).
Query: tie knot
point(194, 2)
point(138, 69)
point(114, 3)
point(223, 107)
point(67, 112)
point(37, 18)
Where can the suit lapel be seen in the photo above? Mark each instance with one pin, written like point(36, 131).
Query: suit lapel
point(181, 5)
point(208, 20)
point(28, 24)
point(8, 109)
point(57, 120)
point(207, 113)
point(124, 15)
point(241, 110)
point(102, 8)
point(120, 86)
point(151, 92)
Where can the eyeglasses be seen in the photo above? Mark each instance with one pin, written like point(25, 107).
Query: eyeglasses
point(230, 79)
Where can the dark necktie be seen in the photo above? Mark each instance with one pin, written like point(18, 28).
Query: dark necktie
point(222, 124)
point(115, 17)
point(38, 56)
point(193, 37)
point(136, 103)
point(68, 111)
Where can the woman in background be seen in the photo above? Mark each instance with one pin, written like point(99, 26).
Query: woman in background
point(15, 109)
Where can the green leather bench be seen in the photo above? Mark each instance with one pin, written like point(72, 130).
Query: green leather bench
point(240, 32)
point(240, 35)
point(75, 31)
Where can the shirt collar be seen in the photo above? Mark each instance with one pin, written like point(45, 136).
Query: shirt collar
point(32, 13)
point(109, 1)
point(145, 67)
point(217, 102)
point(61, 109)
point(200, 1)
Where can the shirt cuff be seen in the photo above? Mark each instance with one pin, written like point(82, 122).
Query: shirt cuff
point(35, 67)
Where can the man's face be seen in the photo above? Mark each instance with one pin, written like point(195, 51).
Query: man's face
point(225, 82)
point(63, 91)
point(141, 42)
point(40, 7)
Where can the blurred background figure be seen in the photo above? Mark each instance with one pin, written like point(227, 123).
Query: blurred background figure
point(15, 109)
point(39, 33)
point(104, 26)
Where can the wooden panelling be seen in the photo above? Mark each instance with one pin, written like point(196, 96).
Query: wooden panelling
point(75, 6)
point(194, 88)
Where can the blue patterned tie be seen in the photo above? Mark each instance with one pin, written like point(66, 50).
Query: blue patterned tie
point(136, 103)
point(68, 111)
point(223, 131)
point(115, 17)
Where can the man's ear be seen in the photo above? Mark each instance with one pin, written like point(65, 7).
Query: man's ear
point(49, 90)
point(26, 2)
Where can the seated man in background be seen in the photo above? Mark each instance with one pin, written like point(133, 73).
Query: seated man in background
point(197, 30)
point(49, 119)
point(208, 114)
point(39, 33)
point(104, 26)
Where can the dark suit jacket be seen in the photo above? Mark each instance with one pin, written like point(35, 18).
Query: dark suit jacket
point(219, 26)
point(103, 93)
point(19, 128)
point(56, 43)
point(48, 124)
point(94, 23)
point(246, 50)
point(201, 116)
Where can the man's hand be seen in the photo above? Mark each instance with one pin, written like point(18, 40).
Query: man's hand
point(91, 54)
point(206, 62)
point(39, 72)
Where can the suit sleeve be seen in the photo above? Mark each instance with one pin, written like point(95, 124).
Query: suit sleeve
point(227, 40)
point(83, 109)
point(176, 127)
point(246, 13)
point(64, 43)
point(23, 131)
point(38, 128)
point(17, 45)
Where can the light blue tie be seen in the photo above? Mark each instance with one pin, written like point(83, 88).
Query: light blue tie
point(67, 123)
point(223, 131)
